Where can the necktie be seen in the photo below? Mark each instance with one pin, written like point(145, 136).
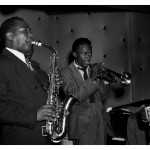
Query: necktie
point(92, 99)
point(85, 75)
point(36, 74)
point(30, 65)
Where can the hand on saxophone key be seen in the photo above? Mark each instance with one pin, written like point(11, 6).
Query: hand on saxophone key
point(58, 79)
point(45, 112)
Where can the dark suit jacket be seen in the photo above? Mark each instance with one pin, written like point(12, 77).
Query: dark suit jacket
point(84, 111)
point(21, 95)
point(41, 75)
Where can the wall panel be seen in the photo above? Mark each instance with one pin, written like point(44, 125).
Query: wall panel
point(140, 48)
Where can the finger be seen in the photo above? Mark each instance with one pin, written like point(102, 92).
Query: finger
point(101, 67)
point(58, 79)
point(48, 106)
point(47, 117)
point(50, 111)
point(59, 82)
point(102, 64)
point(57, 75)
point(51, 114)
point(97, 67)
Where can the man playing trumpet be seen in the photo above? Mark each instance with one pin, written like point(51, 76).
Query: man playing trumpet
point(88, 122)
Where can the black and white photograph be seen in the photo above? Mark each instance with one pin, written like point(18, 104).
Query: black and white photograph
point(74, 74)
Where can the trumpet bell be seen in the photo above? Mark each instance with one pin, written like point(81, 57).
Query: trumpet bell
point(111, 76)
point(125, 78)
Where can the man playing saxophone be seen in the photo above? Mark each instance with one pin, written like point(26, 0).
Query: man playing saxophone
point(23, 108)
point(88, 122)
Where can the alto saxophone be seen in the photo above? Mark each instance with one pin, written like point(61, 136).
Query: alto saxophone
point(56, 128)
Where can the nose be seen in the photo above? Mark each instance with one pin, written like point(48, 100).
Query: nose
point(88, 56)
point(29, 34)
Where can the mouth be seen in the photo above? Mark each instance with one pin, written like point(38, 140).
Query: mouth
point(28, 41)
point(87, 62)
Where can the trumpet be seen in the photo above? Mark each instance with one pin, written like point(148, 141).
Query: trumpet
point(111, 76)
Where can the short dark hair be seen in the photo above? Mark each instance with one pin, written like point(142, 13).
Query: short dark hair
point(10, 25)
point(80, 41)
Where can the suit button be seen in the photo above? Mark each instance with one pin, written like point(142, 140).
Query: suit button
point(89, 117)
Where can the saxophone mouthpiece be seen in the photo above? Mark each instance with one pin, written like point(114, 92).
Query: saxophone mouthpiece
point(33, 42)
point(29, 41)
point(39, 44)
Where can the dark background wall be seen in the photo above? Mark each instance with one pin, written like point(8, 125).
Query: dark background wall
point(119, 35)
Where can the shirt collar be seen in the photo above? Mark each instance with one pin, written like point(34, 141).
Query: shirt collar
point(76, 65)
point(17, 54)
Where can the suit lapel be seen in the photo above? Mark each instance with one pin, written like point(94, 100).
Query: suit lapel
point(95, 105)
point(89, 71)
point(76, 73)
point(20, 65)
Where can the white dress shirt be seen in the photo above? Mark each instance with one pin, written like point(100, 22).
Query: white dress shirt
point(17, 54)
point(81, 72)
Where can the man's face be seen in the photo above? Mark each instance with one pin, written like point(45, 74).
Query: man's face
point(29, 53)
point(19, 37)
point(83, 55)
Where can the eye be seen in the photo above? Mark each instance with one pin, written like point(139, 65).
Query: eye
point(90, 54)
point(26, 30)
point(87, 54)
point(29, 31)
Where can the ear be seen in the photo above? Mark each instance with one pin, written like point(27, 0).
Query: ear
point(74, 54)
point(9, 35)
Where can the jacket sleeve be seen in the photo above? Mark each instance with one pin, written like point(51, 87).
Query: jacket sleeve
point(80, 91)
point(12, 112)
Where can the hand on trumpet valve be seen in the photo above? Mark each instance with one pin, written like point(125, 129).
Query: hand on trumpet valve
point(97, 68)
